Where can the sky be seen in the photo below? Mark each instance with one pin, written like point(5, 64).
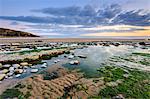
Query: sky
point(77, 18)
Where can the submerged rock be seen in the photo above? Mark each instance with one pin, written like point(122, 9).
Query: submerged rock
point(18, 75)
point(70, 57)
point(44, 65)
point(74, 62)
point(82, 56)
point(56, 61)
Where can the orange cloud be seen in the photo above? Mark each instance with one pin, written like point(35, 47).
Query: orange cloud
point(145, 32)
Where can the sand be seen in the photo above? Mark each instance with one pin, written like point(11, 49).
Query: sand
point(33, 39)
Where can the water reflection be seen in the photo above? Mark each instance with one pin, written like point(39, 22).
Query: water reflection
point(95, 56)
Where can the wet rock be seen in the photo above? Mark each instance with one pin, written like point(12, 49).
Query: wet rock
point(126, 75)
point(146, 81)
point(24, 71)
point(2, 76)
point(82, 56)
point(6, 65)
point(4, 71)
point(33, 66)
point(44, 65)
point(10, 73)
point(18, 71)
point(18, 75)
point(119, 81)
point(1, 65)
point(119, 96)
point(16, 65)
point(34, 70)
point(34, 57)
point(25, 67)
point(56, 61)
point(112, 84)
point(70, 57)
point(24, 64)
point(29, 64)
point(11, 69)
point(74, 62)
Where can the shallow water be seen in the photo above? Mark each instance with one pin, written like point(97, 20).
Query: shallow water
point(49, 62)
point(96, 55)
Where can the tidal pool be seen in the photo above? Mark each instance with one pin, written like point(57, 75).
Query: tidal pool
point(49, 62)
point(97, 55)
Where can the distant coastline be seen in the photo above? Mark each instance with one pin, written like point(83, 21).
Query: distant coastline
point(8, 33)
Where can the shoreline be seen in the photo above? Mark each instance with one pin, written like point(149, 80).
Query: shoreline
point(43, 39)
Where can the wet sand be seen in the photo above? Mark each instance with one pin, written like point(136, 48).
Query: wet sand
point(36, 39)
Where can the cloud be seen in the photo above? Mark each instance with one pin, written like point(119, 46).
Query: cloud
point(87, 21)
point(14, 23)
point(87, 15)
point(109, 12)
point(110, 34)
point(133, 18)
point(118, 28)
point(69, 11)
point(134, 31)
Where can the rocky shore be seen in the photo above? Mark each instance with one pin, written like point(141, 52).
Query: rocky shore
point(13, 65)
point(17, 57)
